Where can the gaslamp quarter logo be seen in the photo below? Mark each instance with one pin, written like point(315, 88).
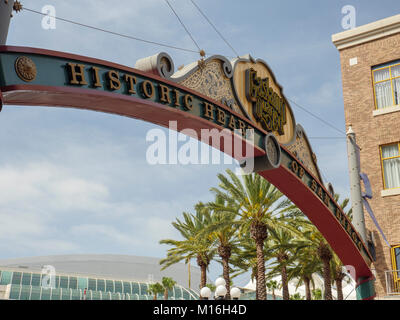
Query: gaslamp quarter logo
point(269, 108)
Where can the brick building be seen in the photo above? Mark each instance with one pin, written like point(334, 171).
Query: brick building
point(370, 65)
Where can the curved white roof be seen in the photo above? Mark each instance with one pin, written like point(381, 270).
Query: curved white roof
point(121, 267)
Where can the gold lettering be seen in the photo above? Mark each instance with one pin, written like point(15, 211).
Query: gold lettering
point(242, 127)
point(131, 81)
point(348, 229)
point(164, 94)
point(338, 213)
point(113, 80)
point(314, 185)
point(75, 74)
point(301, 172)
point(268, 107)
point(188, 102)
point(208, 111)
point(176, 98)
point(96, 77)
point(326, 199)
point(148, 89)
point(221, 116)
point(231, 124)
point(320, 193)
point(295, 167)
point(343, 221)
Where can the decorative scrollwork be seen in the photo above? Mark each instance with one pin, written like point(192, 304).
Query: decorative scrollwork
point(160, 64)
point(228, 69)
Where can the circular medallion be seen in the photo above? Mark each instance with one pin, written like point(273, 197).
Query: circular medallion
point(273, 150)
point(25, 68)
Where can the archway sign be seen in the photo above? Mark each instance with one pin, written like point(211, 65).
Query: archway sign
point(215, 93)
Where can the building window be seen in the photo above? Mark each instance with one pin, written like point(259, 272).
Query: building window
point(395, 254)
point(391, 166)
point(387, 85)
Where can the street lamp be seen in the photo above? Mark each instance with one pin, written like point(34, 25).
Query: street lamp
point(205, 293)
point(235, 293)
point(220, 292)
point(220, 282)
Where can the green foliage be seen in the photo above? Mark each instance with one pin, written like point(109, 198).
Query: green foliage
point(168, 283)
point(296, 296)
point(211, 287)
point(316, 294)
point(156, 289)
point(223, 230)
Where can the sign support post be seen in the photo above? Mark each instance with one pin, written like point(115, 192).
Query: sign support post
point(365, 286)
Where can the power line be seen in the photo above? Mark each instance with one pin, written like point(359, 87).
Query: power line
point(112, 32)
point(183, 25)
point(169, 46)
point(316, 117)
point(214, 27)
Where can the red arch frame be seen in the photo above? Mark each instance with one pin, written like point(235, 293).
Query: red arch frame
point(283, 178)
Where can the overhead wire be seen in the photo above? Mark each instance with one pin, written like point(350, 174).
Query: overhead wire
point(181, 49)
point(214, 27)
point(317, 117)
point(223, 38)
point(112, 32)
point(183, 25)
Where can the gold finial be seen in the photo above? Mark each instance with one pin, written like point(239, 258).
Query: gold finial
point(201, 62)
point(17, 7)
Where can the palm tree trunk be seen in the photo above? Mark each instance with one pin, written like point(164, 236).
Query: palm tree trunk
point(306, 281)
point(258, 231)
point(225, 263)
point(224, 252)
point(261, 289)
point(325, 255)
point(203, 271)
point(203, 277)
point(285, 287)
point(327, 280)
point(273, 294)
point(166, 294)
point(254, 276)
point(339, 289)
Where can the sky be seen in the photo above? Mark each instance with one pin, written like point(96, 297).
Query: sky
point(77, 182)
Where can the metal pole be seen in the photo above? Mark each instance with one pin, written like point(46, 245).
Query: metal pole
point(355, 185)
point(6, 7)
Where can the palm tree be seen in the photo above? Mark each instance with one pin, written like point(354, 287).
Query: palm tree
point(307, 264)
point(168, 284)
point(336, 264)
point(272, 286)
point(222, 228)
point(155, 289)
point(284, 246)
point(321, 249)
point(191, 247)
point(244, 258)
point(325, 254)
point(338, 275)
point(256, 201)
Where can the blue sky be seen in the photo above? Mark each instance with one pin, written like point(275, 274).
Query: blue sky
point(74, 181)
